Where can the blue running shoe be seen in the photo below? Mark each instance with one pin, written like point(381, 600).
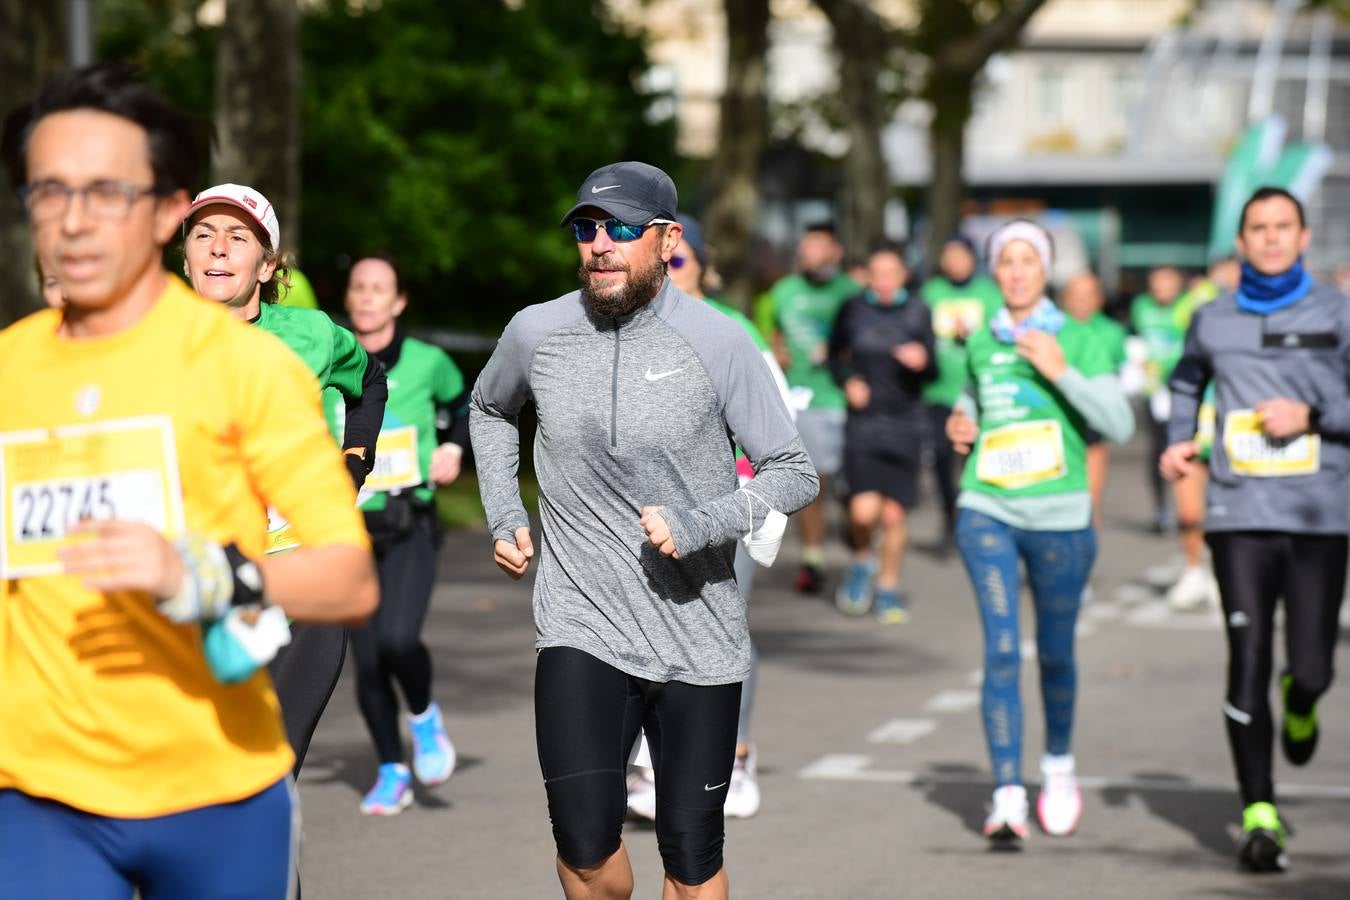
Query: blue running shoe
point(392, 793)
point(890, 606)
point(433, 754)
point(854, 596)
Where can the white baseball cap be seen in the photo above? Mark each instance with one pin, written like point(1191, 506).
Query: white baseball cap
point(247, 199)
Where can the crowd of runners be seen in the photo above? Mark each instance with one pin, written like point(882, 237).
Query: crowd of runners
point(204, 506)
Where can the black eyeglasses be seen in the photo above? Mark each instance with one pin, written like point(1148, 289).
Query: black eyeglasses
point(585, 230)
point(107, 200)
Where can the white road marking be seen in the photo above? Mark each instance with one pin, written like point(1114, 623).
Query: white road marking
point(853, 767)
point(952, 701)
point(1159, 615)
point(902, 731)
point(1102, 612)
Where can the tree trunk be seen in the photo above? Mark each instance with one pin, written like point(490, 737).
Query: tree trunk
point(31, 48)
point(258, 105)
point(744, 129)
point(946, 191)
point(861, 42)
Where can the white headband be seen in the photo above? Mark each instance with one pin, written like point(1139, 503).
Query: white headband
point(1021, 230)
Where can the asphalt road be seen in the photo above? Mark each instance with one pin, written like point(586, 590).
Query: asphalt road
point(873, 767)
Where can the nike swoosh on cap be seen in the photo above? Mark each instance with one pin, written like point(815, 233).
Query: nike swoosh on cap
point(714, 787)
point(595, 189)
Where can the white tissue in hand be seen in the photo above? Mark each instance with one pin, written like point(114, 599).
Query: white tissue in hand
point(763, 542)
point(1160, 405)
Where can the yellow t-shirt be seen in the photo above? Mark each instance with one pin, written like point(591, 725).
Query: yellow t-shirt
point(105, 705)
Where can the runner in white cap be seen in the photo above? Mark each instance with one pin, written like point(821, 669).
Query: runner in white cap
point(231, 253)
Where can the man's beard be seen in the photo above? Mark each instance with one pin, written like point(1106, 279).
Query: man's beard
point(640, 288)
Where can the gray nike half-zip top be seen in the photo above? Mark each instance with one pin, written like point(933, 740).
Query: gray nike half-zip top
point(639, 411)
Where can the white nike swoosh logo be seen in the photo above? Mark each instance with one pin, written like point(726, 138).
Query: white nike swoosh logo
point(714, 787)
point(658, 376)
point(596, 189)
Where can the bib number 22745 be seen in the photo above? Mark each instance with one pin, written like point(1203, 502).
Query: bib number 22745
point(125, 470)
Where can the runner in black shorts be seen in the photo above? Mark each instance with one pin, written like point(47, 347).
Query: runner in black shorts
point(641, 393)
point(881, 353)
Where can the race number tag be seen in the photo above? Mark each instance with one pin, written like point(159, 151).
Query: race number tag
point(1022, 454)
point(953, 318)
point(1253, 453)
point(50, 479)
point(395, 460)
point(1204, 427)
point(280, 534)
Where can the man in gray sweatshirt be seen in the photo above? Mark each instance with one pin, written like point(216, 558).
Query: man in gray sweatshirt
point(641, 394)
point(1278, 353)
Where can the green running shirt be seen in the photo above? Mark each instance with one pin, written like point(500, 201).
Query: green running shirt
point(804, 314)
point(423, 378)
point(972, 305)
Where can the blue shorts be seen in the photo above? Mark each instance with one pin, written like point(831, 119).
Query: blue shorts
point(231, 851)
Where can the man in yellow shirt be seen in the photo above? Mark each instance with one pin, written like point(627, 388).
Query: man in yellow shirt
point(143, 435)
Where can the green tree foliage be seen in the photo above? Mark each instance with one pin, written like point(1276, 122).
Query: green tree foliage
point(450, 133)
point(455, 134)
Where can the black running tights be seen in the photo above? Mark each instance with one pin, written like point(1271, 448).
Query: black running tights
point(389, 647)
point(305, 673)
point(1254, 570)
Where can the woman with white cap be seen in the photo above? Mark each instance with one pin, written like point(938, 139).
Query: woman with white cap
point(232, 254)
point(1038, 382)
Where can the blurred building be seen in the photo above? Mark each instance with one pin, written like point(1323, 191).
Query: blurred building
point(1121, 113)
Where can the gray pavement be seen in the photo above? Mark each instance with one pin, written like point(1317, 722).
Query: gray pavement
point(873, 766)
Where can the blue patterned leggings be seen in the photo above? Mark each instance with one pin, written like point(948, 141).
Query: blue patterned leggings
point(1058, 564)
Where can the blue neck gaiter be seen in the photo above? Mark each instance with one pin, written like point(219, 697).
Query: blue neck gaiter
point(1265, 294)
point(897, 299)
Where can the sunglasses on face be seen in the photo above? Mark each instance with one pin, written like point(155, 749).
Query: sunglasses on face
point(585, 230)
point(677, 261)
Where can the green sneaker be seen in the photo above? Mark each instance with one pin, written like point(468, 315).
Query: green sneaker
point(1298, 736)
point(1261, 846)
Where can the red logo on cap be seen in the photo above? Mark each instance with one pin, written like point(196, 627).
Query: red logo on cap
point(251, 202)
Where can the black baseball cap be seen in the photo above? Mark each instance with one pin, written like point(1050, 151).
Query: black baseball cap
point(632, 192)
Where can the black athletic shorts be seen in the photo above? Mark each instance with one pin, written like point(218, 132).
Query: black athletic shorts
point(587, 714)
point(882, 455)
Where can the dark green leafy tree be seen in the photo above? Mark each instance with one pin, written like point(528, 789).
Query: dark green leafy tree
point(450, 133)
point(455, 134)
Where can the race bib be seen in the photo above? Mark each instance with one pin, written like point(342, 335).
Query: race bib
point(1253, 453)
point(280, 534)
point(50, 479)
point(952, 318)
point(1204, 427)
point(1022, 454)
point(396, 464)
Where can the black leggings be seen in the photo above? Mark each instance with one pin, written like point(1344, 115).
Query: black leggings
point(389, 647)
point(587, 715)
point(946, 463)
point(1254, 569)
point(1157, 443)
point(305, 673)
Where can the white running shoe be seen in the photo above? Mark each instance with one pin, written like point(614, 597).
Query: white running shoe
point(641, 793)
point(743, 793)
point(1008, 821)
point(1196, 589)
point(1061, 803)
